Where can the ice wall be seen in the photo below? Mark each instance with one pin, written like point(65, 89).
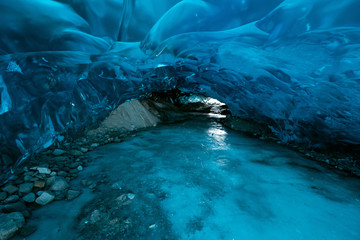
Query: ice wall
point(291, 64)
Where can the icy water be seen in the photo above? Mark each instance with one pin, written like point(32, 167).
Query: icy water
point(198, 180)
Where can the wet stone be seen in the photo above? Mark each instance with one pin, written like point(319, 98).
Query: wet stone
point(10, 189)
point(10, 224)
point(60, 196)
point(12, 199)
point(59, 185)
point(58, 152)
point(50, 181)
point(84, 150)
point(43, 170)
point(29, 198)
point(72, 194)
point(39, 184)
point(26, 187)
point(76, 153)
point(45, 198)
point(14, 207)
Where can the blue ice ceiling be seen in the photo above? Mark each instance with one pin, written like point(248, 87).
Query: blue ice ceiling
point(293, 65)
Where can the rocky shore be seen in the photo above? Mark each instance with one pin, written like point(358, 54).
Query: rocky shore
point(47, 176)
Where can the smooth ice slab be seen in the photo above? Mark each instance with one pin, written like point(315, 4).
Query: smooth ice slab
point(198, 180)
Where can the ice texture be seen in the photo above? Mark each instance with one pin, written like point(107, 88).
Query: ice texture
point(293, 64)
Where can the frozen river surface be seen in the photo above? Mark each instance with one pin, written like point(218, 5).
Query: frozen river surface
point(198, 180)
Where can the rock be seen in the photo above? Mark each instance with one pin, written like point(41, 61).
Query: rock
point(72, 194)
point(58, 152)
point(3, 196)
point(27, 178)
point(95, 216)
point(15, 207)
point(27, 230)
point(60, 196)
point(39, 184)
point(50, 181)
point(131, 196)
point(12, 199)
point(122, 200)
point(79, 168)
point(38, 193)
point(29, 198)
point(94, 145)
point(59, 185)
point(42, 170)
point(45, 198)
point(10, 224)
point(84, 150)
point(26, 187)
point(76, 153)
point(10, 189)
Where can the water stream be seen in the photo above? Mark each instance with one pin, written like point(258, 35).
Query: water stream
point(199, 180)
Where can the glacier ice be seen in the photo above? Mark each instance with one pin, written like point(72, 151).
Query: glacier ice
point(290, 64)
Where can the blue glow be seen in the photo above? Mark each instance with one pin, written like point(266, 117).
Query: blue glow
point(290, 64)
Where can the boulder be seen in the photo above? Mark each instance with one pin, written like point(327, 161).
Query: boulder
point(10, 224)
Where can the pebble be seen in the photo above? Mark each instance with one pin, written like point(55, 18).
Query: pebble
point(10, 189)
point(12, 199)
point(29, 198)
point(10, 224)
point(45, 198)
point(84, 150)
point(39, 184)
point(58, 152)
point(76, 153)
point(43, 170)
point(26, 187)
point(94, 145)
point(72, 194)
point(131, 196)
point(95, 216)
point(15, 207)
point(59, 185)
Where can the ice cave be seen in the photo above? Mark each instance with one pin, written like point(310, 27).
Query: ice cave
point(180, 119)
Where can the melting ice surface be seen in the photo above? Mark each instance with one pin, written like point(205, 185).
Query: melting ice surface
point(198, 180)
point(290, 64)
